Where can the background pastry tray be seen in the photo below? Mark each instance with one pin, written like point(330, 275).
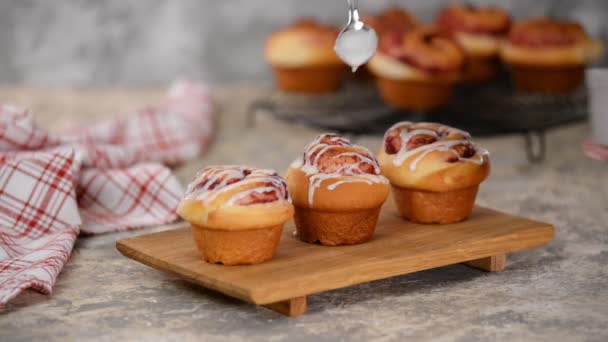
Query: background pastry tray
point(299, 269)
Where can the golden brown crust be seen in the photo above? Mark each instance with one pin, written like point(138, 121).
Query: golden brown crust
point(548, 42)
point(345, 197)
point(306, 43)
point(413, 94)
point(432, 157)
point(244, 247)
point(236, 198)
point(336, 228)
point(480, 69)
point(310, 80)
point(547, 79)
point(435, 207)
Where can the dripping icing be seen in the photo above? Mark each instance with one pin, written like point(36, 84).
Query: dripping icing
point(201, 188)
point(353, 171)
point(440, 145)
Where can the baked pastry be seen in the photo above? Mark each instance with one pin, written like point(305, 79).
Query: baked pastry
point(237, 213)
point(391, 20)
point(337, 192)
point(434, 170)
point(303, 58)
point(416, 69)
point(549, 56)
point(479, 31)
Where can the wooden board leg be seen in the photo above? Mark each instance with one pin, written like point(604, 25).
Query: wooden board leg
point(494, 263)
point(292, 307)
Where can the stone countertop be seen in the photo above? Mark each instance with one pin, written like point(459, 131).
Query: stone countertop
point(558, 292)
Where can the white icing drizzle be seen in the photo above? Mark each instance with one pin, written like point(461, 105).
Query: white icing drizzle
point(206, 187)
point(405, 137)
point(440, 145)
point(353, 170)
point(235, 198)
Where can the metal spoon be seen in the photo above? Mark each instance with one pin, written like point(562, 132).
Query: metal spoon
point(357, 42)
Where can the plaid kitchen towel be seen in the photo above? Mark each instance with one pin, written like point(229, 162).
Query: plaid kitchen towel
point(103, 178)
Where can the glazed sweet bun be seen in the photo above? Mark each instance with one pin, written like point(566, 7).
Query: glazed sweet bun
point(333, 174)
point(237, 213)
point(422, 53)
point(417, 69)
point(337, 190)
point(236, 198)
point(431, 156)
point(435, 171)
point(479, 30)
point(306, 43)
point(548, 42)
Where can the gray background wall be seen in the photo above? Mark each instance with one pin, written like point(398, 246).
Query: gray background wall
point(148, 42)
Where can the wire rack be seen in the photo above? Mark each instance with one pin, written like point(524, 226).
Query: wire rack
point(492, 109)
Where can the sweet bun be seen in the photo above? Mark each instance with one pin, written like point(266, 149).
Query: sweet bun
point(479, 31)
point(416, 69)
point(549, 56)
point(391, 20)
point(435, 171)
point(337, 192)
point(303, 58)
point(237, 213)
point(306, 43)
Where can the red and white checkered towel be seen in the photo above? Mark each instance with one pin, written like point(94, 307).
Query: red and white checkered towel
point(103, 178)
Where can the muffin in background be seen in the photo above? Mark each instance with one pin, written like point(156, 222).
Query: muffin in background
point(479, 31)
point(390, 20)
point(303, 58)
point(417, 69)
point(549, 56)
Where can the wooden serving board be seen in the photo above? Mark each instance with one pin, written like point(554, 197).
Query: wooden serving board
point(299, 269)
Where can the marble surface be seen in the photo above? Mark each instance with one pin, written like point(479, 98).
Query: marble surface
point(558, 292)
point(91, 42)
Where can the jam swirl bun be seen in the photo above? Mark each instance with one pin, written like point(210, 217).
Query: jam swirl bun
point(434, 169)
point(337, 190)
point(237, 213)
point(391, 20)
point(329, 163)
point(490, 21)
point(227, 188)
point(479, 30)
point(550, 42)
point(549, 56)
point(416, 69)
point(423, 52)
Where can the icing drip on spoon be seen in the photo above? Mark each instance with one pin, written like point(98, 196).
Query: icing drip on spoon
point(357, 42)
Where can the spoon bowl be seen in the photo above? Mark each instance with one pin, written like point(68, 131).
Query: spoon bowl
point(357, 42)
